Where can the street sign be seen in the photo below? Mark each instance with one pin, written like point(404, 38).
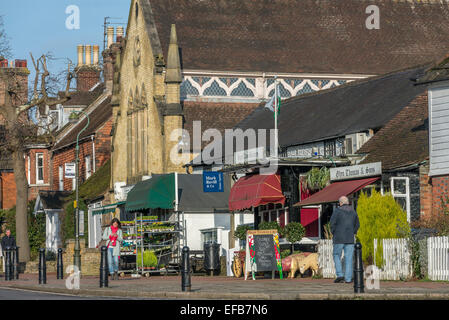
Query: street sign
point(213, 181)
point(358, 171)
point(69, 170)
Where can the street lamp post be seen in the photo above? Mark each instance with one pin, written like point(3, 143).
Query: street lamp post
point(77, 256)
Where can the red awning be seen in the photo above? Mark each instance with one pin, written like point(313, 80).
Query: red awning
point(335, 190)
point(256, 190)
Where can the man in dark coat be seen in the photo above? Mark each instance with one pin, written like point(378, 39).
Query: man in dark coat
point(7, 241)
point(344, 226)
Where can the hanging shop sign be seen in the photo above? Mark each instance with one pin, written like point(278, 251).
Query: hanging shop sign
point(357, 171)
point(213, 181)
point(262, 252)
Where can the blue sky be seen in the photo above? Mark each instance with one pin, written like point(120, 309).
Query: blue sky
point(40, 27)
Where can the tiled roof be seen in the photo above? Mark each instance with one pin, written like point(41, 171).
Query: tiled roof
point(438, 72)
point(354, 107)
point(83, 98)
point(404, 140)
point(220, 116)
point(319, 36)
point(53, 199)
point(97, 117)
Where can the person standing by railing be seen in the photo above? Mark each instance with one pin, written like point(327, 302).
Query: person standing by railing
point(114, 237)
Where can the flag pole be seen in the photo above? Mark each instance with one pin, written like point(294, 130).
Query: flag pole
point(276, 142)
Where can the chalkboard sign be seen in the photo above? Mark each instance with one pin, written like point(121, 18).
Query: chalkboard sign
point(262, 252)
point(265, 254)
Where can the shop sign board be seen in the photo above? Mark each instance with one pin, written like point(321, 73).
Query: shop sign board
point(262, 252)
point(356, 172)
point(69, 170)
point(213, 181)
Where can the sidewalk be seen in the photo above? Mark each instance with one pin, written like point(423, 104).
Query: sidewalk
point(205, 287)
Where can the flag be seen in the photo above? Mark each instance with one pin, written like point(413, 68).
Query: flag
point(271, 103)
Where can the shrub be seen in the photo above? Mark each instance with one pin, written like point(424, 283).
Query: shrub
point(240, 231)
point(294, 232)
point(380, 217)
point(316, 179)
point(273, 225)
point(149, 259)
point(36, 226)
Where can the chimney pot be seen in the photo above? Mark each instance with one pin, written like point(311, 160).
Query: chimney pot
point(120, 33)
point(80, 55)
point(96, 54)
point(88, 54)
point(110, 34)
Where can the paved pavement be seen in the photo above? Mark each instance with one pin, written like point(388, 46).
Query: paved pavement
point(20, 294)
point(206, 287)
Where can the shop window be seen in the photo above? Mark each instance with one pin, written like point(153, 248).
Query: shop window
point(273, 215)
point(39, 168)
point(208, 236)
point(330, 149)
point(400, 190)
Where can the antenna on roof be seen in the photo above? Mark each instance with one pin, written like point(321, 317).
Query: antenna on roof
point(105, 27)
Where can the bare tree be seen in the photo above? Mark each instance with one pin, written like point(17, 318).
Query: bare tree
point(19, 129)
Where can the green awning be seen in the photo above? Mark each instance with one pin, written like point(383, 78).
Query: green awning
point(107, 209)
point(157, 192)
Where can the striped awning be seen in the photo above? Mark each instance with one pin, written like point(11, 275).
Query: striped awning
point(107, 209)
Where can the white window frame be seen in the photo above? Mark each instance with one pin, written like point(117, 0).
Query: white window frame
point(88, 167)
point(264, 209)
point(38, 155)
point(401, 195)
point(29, 169)
point(61, 178)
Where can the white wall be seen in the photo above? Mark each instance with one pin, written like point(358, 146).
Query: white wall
point(200, 221)
point(439, 129)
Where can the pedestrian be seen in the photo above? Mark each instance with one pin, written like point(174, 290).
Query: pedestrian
point(344, 226)
point(114, 236)
point(7, 241)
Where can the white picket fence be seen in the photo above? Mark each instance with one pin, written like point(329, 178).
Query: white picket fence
point(438, 258)
point(395, 254)
point(396, 260)
point(325, 258)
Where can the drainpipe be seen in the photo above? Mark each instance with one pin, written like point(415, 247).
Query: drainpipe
point(93, 153)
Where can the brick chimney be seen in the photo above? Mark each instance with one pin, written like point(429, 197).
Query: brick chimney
point(16, 70)
point(87, 73)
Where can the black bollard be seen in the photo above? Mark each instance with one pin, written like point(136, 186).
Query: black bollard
point(358, 269)
point(15, 263)
point(59, 266)
point(8, 275)
point(42, 267)
point(104, 267)
point(185, 272)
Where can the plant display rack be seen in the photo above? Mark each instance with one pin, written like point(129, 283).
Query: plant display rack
point(161, 237)
point(128, 250)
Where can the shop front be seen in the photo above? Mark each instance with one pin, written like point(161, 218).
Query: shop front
point(260, 195)
point(345, 181)
point(171, 211)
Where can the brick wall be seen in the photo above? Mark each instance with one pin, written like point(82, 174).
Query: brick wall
point(102, 141)
point(34, 186)
point(8, 189)
point(87, 77)
point(432, 189)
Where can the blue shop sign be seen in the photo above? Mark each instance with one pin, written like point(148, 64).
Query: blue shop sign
point(213, 181)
